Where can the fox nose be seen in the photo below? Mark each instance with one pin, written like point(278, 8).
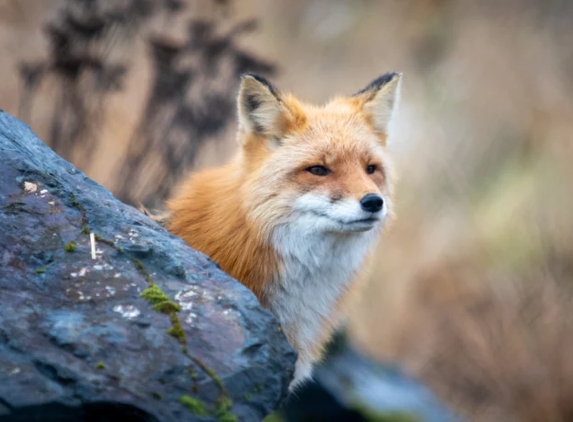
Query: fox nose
point(371, 202)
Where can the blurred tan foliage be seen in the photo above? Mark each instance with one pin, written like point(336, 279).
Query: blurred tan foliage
point(472, 287)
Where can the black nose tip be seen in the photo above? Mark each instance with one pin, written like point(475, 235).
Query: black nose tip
point(371, 202)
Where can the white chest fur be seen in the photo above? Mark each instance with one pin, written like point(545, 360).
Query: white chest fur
point(317, 269)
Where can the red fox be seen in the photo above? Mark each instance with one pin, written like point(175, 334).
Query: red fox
point(296, 213)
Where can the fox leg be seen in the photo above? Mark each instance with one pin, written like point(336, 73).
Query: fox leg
point(302, 372)
point(308, 357)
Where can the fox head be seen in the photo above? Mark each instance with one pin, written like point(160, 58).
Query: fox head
point(322, 168)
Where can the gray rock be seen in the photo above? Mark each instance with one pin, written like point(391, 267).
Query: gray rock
point(78, 342)
point(357, 382)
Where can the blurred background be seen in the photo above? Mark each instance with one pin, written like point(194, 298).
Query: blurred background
point(469, 309)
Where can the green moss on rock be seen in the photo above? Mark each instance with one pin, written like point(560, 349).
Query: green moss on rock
point(228, 417)
point(274, 417)
point(71, 246)
point(194, 374)
point(104, 240)
point(142, 270)
point(154, 295)
point(215, 378)
point(42, 270)
point(373, 416)
point(194, 405)
point(159, 300)
point(222, 410)
point(161, 303)
point(167, 307)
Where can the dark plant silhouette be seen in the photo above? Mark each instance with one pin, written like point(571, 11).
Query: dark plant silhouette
point(191, 94)
point(193, 97)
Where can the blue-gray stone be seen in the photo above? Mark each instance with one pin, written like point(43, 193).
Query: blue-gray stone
point(77, 341)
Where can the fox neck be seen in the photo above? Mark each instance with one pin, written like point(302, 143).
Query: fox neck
point(316, 270)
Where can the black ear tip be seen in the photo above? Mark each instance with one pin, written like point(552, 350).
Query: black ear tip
point(385, 78)
point(256, 77)
point(380, 81)
point(260, 80)
point(251, 75)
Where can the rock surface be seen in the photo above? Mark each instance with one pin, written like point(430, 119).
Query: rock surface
point(150, 330)
point(349, 386)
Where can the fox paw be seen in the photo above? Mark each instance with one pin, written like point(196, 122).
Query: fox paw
point(302, 373)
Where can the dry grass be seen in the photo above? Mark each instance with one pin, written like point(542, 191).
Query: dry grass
point(497, 350)
point(472, 285)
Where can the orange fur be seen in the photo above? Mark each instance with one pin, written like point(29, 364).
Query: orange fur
point(221, 230)
point(250, 214)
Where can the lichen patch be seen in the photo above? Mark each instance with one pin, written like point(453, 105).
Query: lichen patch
point(127, 311)
point(30, 187)
point(185, 299)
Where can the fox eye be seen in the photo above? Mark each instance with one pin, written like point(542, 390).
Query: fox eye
point(318, 170)
point(370, 169)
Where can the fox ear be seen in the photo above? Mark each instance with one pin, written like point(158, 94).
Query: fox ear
point(379, 100)
point(260, 107)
